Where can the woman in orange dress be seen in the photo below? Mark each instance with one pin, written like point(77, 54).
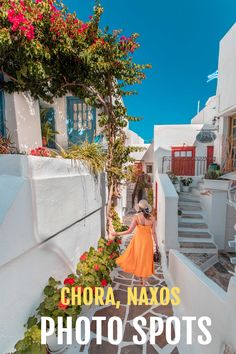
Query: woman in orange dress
point(138, 257)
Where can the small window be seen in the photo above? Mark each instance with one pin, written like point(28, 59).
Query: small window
point(189, 153)
point(177, 154)
point(182, 153)
point(149, 168)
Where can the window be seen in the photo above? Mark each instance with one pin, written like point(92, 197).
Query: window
point(149, 168)
point(81, 121)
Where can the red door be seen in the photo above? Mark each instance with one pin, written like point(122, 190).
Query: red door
point(210, 155)
point(183, 160)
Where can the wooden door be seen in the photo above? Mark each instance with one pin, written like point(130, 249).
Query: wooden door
point(183, 160)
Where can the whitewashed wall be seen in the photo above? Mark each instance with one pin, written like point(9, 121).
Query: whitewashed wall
point(167, 212)
point(132, 138)
point(226, 88)
point(215, 209)
point(166, 136)
point(195, 291)
point(207, 114)
point(42, 201)
point(23, 121)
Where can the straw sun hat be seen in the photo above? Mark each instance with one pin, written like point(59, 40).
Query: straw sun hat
point(143, 206)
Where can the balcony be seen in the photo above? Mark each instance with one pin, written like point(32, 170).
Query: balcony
point(186, 166)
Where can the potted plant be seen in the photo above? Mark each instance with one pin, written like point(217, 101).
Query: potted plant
point(174, 179)
point(185, 183)
point(48, 133)
point(212, 181)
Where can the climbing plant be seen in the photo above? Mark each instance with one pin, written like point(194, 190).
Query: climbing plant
point(48, 51)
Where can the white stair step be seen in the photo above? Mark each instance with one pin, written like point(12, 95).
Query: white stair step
point(192, 220)
point(191, 230)
point(194, 234)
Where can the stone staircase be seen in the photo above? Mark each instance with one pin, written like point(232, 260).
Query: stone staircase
point(195, 239)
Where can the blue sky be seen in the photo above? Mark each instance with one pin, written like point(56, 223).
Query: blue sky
point(181, 41)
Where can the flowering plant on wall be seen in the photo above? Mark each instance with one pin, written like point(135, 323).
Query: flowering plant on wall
point(40, 151)
point(95, 266)
point(55, 53)
point(93, 271)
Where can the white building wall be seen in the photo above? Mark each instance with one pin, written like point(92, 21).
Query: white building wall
point(42, 203)
point(23, 121)
point(207, 114)
point(226, 91)
point(226, 88)
point(133, 138)
point(166, 136)
point(167, 212)
point(195, 289)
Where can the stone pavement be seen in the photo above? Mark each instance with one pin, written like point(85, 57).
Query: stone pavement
point(127, 313)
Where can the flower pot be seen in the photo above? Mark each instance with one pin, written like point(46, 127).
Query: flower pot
point(53, 347)
point(216, 184)
point(185, 188)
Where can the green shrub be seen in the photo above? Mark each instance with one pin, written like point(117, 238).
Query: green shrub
point(117, 224)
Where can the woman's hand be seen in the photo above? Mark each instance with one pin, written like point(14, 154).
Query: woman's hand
point(114, 234)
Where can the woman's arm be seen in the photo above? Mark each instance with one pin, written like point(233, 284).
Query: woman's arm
point(127, 232)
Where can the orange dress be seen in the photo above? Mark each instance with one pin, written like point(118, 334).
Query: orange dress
point(138, 257)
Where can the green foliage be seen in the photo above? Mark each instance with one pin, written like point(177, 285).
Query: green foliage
point(93, 270)
point(92, 154)
point(174, 179)
point(31, 343)
point(51, 305)
point(150, 196)
point(116, 222)
point(213, 174)
point(96, 265)
point(55, 53)
point(186, 181)
point(46, 127)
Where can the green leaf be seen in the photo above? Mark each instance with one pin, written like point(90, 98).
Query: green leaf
point(31, 322)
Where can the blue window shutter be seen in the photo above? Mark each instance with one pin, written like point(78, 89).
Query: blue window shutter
point(81, 121)
point(50, 117)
